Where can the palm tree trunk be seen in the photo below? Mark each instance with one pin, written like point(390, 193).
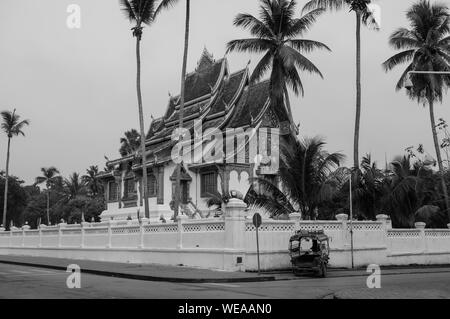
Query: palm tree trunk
point(5, 201)
point(48, 206)
point(438, 155)
point(182, 97)
point(141, 125)
point(288, 105)
point(358, 90)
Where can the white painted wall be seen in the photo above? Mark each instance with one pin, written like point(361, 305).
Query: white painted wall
point(216, 243)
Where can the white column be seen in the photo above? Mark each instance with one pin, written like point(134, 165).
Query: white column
point(82, 235)
point(60, 227)
point(109, 244)
point(181, 219)
point(234, 235)
point(141, 235)
point(343, 218)
point(40, 237)
point(296, 217)
point(422, 226)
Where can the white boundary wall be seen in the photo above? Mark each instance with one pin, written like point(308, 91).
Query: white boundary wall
point(229, 243)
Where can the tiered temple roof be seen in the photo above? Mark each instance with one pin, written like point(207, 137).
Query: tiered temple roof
point(214, 95)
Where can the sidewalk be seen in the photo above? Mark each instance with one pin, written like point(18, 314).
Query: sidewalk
point(361, 272)
point(391, 293)
point(148, 272)
point(153, 272)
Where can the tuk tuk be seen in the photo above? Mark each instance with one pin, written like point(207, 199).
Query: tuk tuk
point(309, 251)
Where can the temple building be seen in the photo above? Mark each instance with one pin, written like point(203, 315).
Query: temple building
point(217, 100)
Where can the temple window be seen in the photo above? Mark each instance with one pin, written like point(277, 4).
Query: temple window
point(152, 187)
point(208, 184)
point(112, 196)
point(130, 187)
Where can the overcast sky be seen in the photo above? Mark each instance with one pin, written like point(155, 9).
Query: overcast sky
point(77, 86)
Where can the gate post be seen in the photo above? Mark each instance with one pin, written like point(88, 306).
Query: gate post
point(234, 250)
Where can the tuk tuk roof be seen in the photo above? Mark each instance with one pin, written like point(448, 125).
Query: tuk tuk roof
point(318, 235)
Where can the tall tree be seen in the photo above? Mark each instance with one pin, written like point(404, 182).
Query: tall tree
point(91, 181)
point(140, 12)
point(367, 188)
point(130, 143)
point(12, 126)
point(364, 15)
point(164, 5)
point(17, 198)
point(425, 47)
point(48, 177)
point(74, 187)
point(276, 34)
point(306, 180)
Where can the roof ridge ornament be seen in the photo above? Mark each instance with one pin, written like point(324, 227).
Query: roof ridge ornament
point(206, 60)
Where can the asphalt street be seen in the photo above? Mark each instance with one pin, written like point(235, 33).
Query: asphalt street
point(31, 282)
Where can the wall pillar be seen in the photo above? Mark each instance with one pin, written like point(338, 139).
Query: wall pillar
point(422, 226)
point(343, 218)
point(235, 235)
point(83, 224)
point(296, 217)
point(60, 227)
point(109, 245)
point(181, 219)
point(143, 221)
point(40, 237)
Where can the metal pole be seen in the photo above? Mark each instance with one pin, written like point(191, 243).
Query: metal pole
point(257, 249)
point(351, 221)
point(430, 72)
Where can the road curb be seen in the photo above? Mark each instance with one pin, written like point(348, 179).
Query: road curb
point(145, 277)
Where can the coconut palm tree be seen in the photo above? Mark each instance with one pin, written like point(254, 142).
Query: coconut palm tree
point(364, 15)
point(48, 177)
point(74, 187)
point(305, 177)
point(140, 12)
point(425, 47)
point(276, 34)
point(130, 143)
point(164, 5)
point(368, 188)
point(12, 126)
point(91, 181)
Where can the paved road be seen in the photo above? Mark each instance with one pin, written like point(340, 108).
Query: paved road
point(29, 282)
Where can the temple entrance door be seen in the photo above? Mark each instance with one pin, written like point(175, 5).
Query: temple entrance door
point(184, 192)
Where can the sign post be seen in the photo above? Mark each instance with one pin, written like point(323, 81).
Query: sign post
point(257, 220)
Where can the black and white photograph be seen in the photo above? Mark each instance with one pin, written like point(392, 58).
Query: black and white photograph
point(225, 155)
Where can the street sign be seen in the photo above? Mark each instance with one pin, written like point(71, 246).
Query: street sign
point(257, 220)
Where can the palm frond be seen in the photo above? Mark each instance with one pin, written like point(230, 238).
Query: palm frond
point(165, 5)
point(308, 45)
point(303, 24)
point(325, 4)
point(262, 67)
point(398, 59)
point(256, 26)
point(249, 45)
